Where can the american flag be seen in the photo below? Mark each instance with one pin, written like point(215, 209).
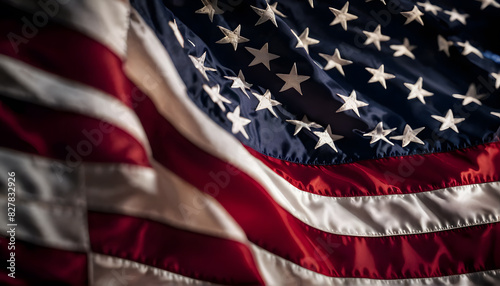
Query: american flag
point(245, 142)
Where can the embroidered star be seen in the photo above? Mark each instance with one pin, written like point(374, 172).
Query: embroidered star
point(199, 64)
point(303, 41)
point(311, 2)
point(327, 138)
point(379, 75)
point(232, 37)
point(239, 122)
point(351, 103)
point(276, 11)
point(177, 33)
point(404, 49)
point(448, 121)
point(497, 114)
point(455, 16)
point(341, 16)
point(413, 15)
point(487, 3)
point(265, 15)
point(210, 9)
point(409, 135)
point(266, 102)
point(261, 56)
point(304, 123)
point(416, 90)
point(429, 7)
point(335, 61)
point(239, 82)
point(444, 45)
point(470, 96)
point(292, 80)
point(496, 76)
point(379, 133)
point(375, 37)
point(468, 48)
point(215, 96)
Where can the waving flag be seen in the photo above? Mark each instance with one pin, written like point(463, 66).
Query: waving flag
point(238, 142)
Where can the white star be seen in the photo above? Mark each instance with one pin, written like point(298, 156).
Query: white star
point(448, 121)
point(496, 76)
point(177, 33)
point(210, 9)
point(351, 103)
point(429, 7)
point(266, 102)
point(416, 90)
point(292, 80)
point(276, 11)
point(335, 61)
point(341, 16)
point(404, 49)
point(232, 37)
point(468, 48)
point(470, 96)
point(265, 15)
point(239, 122)
point(375, 37)
point(261, 56)
point(303, 41)
point(409, 135)
point(311, 2)
point(487, 3)
point(497, 114)
point(304, 123)
point(215, 96)
point(326, 137)
point(239, 82)
point(199, 64)
point(455, 16)
point(383, 1)
point(379, 75)
point(378, 133)
point(444, 45)
point(414, 14)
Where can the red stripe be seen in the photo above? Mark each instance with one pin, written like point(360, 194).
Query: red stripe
point(65, 136)
point(70, 54)
point(273, 228)
point(36, 265)
point(190, 254)
point(395, 175)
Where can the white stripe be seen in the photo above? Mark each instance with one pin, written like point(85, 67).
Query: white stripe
point(24, 82)
point(109, 270)
point(50, 209)
point(148, 62)
point(155, 194)
point(47, 182)
point(158, 195)
point(278, 271)
point(105, 21)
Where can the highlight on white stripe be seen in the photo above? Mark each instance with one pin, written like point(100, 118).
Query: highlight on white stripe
point(25, 82)
point(148, 65)
point(109, 270)
point(278, 271)
point(106, 21)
